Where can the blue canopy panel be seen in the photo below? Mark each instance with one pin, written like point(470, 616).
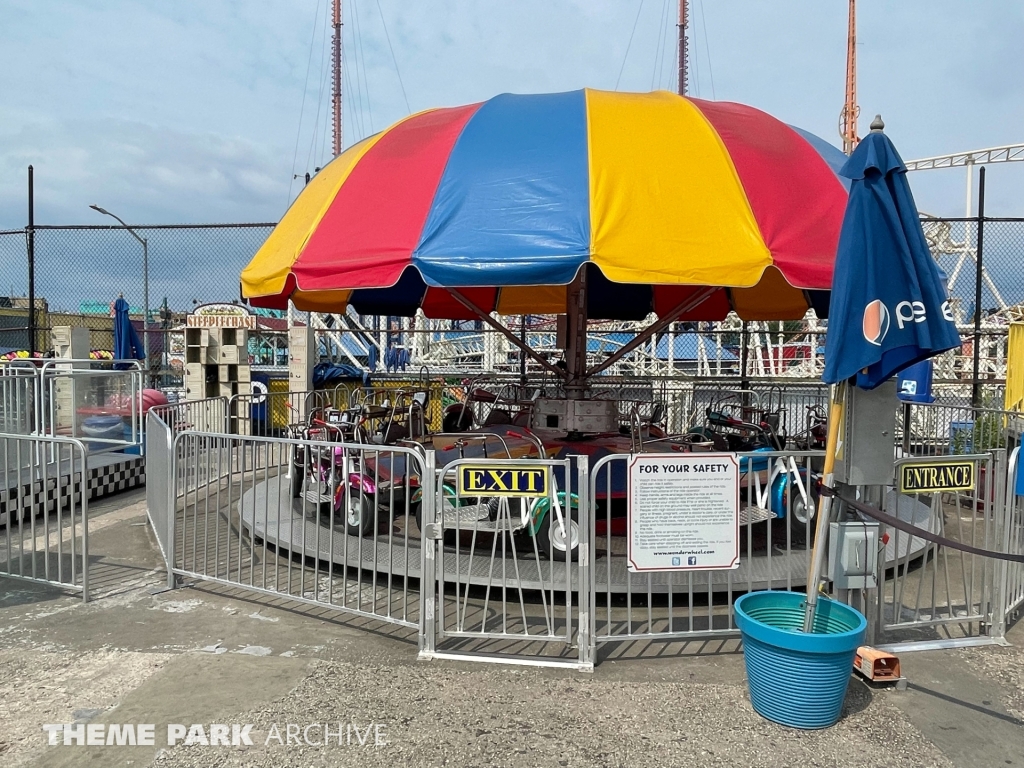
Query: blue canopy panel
point(516, 188)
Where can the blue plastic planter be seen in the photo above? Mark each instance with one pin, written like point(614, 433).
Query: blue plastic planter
point(796, 678)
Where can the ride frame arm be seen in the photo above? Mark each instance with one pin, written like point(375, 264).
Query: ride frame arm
point(684, 306)
point(505, 332)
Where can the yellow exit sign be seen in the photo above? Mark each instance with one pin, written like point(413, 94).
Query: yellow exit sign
point(498, 480)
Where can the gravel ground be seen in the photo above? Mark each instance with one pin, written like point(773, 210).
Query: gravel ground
point(1006, 665)
point(137, 654)
point(51, 687)
point(439, 716)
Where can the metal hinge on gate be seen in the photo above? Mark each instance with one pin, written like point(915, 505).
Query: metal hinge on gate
point(432, 531)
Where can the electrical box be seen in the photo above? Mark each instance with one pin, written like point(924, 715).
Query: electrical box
point(866, 455)
point(575, 415)
point(70, 343)
point(853, 554)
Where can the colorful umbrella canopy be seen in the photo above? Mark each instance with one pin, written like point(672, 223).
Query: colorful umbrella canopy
point(656, 195)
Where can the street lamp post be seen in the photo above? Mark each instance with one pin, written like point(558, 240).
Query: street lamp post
point(145, 279)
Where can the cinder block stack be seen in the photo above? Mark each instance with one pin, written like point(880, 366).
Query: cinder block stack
point(217, 365)
point(301, 359)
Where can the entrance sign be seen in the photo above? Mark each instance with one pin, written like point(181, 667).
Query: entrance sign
point(684, 512)
point(476, 480)
point(937, 477)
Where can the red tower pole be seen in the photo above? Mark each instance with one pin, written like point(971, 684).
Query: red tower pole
point(336, 85)
point(684, 20)
point(848, 117)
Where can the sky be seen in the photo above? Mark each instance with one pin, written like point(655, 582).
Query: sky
point(198, 111)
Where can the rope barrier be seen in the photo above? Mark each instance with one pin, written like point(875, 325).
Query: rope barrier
point(913, 530)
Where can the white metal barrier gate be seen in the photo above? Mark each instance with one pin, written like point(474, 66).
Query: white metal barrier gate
point(1012, 576)
point(44, 511)
point(506, 568)
point(323, 523)
point(938, 594)
point(778, 501)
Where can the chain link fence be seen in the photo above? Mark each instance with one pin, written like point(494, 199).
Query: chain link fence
point(81, 270)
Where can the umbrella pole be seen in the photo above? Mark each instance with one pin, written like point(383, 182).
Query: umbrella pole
point(835, 419)
point(576, 337)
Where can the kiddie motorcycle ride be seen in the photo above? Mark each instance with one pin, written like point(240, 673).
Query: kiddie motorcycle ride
point(358, 489)
point(547, 523)
point(353, 487)
point(771, 486)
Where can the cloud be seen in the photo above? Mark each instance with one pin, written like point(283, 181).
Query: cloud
point(190, 111)
point(143, 173)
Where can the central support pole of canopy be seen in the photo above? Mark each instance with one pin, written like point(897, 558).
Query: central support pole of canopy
point(576, 372)
point(576, 337)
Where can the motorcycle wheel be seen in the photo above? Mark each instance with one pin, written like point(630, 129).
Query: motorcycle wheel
point(358, 513)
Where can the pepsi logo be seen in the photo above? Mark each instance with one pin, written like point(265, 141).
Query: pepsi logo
point(875, 324)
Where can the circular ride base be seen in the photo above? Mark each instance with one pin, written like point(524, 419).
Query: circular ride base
point(269, 512)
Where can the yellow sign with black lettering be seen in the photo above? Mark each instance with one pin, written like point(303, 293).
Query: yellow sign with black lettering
point(937, 477)
point(475, 480)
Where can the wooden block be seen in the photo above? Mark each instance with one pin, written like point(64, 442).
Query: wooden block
point(228, 355)
point(227, 372)
point(877, 665)
point(195, 382)
point(244, 374)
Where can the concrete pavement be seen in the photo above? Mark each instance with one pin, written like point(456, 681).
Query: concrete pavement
point(212, 655)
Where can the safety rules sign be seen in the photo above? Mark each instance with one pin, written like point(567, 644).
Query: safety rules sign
point(684, 512)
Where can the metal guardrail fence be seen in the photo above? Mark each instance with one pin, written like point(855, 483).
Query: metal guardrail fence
point(1012, 577)
point(44, 511)
point(506, 569)
point(378, 531)
point(778, 504)
point(159, 478)
point(931, 592)
point(103, 408)
point(939, 429)
point(206, 415)
point(339, 512)
point(18, 398)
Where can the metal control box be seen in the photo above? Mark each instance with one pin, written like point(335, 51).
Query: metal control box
point(853, 554)
point(575, 415)
point(866, 455)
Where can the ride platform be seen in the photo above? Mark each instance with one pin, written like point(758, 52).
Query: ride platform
point(270, 513)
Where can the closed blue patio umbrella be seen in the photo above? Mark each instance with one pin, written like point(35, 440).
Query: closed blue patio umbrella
point(127, 345)
point(889, 306)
